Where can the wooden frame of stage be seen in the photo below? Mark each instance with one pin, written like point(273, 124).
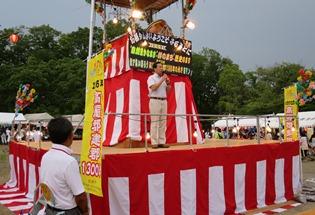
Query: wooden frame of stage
point(130, 146)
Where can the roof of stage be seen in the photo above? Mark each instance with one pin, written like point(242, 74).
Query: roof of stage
point(145, 5)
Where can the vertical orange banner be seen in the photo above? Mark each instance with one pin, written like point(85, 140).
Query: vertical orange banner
point(91, 152)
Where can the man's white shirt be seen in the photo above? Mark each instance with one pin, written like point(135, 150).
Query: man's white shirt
point(60, 171)
point(161, 91)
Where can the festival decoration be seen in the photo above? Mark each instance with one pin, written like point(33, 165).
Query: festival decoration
point(305, 88)
point(24, 97)
point(190, 4)
point(132, 3)
point(108, 50)
point(14, 38)
point(97, 7)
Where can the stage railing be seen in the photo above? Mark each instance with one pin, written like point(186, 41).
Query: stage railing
point(262, 126)
point(225, 127)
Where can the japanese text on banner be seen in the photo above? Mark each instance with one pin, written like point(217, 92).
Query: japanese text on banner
point(290, 112)
point(91, 153)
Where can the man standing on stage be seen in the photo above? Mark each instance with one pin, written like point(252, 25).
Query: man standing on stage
point(159, 86)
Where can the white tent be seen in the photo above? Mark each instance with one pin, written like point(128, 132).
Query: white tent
point(7, 118)
point(38, 118)
point(75, 119)
point(268, 120)
point(306, 119)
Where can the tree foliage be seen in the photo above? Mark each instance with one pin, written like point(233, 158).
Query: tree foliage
point(232, 89)
point(207, 67)
point(220, 87)
point(54, 62)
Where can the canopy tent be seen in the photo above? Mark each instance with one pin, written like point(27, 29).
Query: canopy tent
point(75, 119)
point(271, 121)
point(7, 118)
point(35, 118)
point(306, 119)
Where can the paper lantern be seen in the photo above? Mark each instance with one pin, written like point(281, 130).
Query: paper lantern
point(14, 38)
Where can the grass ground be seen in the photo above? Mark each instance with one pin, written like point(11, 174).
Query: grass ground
point(308, 172)
point(4, 173)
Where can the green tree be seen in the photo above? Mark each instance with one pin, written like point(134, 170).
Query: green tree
point(207, 67)
point(62, 94)
point(114, 30)
point(232, 90)
point(265, 87)
point(76, 43)
point(53, 62)
point(14, 54)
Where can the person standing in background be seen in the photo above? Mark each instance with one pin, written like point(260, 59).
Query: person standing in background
point(3, 136)
point(8, 133)
point(37, 135)
point(312, 140)
point(303, 143)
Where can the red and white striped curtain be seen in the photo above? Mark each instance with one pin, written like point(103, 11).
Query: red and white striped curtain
point(18, 193)
point(126, 91)
point(213, 181)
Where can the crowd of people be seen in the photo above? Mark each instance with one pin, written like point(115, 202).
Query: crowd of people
point(22, 133)
point(243, 133)
point(29, 133)
point(306, 136)
point(307, 142)
point(4, 135)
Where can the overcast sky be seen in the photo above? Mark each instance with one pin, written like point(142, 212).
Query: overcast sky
point(251, 32)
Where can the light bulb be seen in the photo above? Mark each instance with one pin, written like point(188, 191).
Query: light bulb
point(144, 43)
point(190, 25)
point(129, 29)
point(115, 20)
point(195, 134)
point(137, 14)
point(147, 136)
point(179, 48)
point(234, 130)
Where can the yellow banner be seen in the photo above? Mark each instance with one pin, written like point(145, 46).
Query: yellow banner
point(91, 152)
point(291, 110)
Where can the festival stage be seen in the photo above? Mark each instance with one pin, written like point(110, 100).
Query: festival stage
point(183, 179)
point(130, 146)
